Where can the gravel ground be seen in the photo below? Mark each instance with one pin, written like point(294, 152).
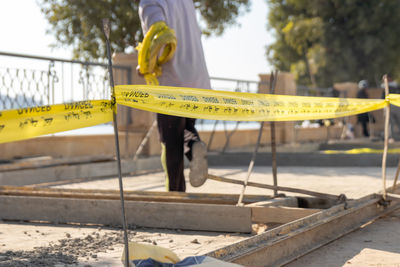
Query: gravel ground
point(36, 244)
point(67, 250)
point(30, 244)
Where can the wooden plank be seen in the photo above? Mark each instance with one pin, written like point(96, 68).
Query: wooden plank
point(201, 217)
point(57, 173)
point(87, 179)
point(279, 214)
point(64, 172)
point(181, 197)
point(42, 162)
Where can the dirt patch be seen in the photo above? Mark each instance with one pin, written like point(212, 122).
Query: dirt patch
point(28, 244)
point(65, 251)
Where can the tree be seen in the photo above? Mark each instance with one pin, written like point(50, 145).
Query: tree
point(78, 23)
point(335, 40)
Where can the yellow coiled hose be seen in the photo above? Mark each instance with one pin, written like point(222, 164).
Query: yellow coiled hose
point(158, 47)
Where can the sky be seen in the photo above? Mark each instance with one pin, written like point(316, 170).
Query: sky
point(239, 53)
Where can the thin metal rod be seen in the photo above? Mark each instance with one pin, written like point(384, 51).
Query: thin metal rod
point(106, 29)
point(145, 139)
point(127, 121)
point(271, 187)
point(72, 82)
point(396, 177)
point(62, 83)
point(251, 165)
point(232, 80)
point(229, 135)
point(385, 148)
point(274, 78)
point(212, 135)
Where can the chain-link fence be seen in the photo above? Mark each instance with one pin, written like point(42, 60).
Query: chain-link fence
point(31, 80)
point(27, 80)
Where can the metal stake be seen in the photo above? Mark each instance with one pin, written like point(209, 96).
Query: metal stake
point(212, 135)
point(145, 139)
point(229, 135)
point(273, 79)
point(385, 148)
point(396, 177)
point(106, 30)
point(251, 165)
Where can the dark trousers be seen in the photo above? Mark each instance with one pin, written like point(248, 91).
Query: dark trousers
point(365, 131)
point(178, 135)
point(363, 118)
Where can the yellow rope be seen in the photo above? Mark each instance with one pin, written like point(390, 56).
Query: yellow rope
point(157, 48)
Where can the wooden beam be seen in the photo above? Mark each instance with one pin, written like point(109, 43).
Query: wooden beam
point(203, 217)
point(279, 214)
point(65, 172)
point(181, 197)
point(46, 161)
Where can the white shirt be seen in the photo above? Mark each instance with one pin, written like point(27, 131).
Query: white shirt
point(187, 68)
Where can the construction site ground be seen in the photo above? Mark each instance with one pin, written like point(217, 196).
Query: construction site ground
point(375, 244)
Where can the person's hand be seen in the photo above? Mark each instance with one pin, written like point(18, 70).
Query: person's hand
point(138, 71)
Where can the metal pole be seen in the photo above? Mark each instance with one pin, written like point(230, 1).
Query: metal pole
point(127, 121)
point(145, 139)
point(229, 135)
point(128, 114)
point(385, 148)
point(280, 188)
point(273, 79)
point(106, 29)
point(251, 165)
point(396, 177)
point(212, 135)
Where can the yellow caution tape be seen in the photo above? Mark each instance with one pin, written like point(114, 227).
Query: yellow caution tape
point(362, 151)
point(223, 105)
point(394, 99)
point(31, 122)
point(25, 123)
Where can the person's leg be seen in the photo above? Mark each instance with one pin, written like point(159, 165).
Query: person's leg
point(171, 131)
point(190, 136)
point(196, 152)
point(364, 125)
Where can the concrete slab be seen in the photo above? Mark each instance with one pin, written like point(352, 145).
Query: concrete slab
point(353, 181)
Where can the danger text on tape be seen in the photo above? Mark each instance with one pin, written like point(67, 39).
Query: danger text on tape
point(222, 105)
point(24, 123)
